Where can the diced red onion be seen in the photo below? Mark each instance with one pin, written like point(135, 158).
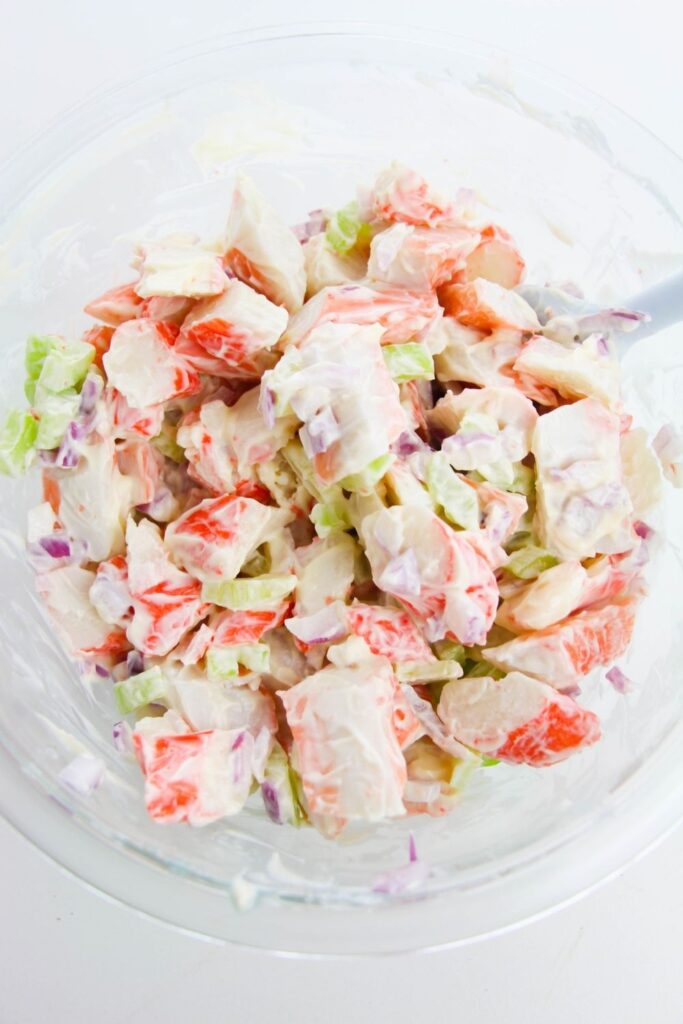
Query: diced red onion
point(266, 406)
point(122, 735)
point(271, 802)
point(313, 226)
point(320, 432)
point(90, 392)
point(602, 345)
point(68, 456)
point(56, 546)
point(619, 681)
point(644, 531)
point(83, 775)
point(409, 442)
point(412, 849)
point(611, 320)
point(135, 663)
point(401, 575)
point(571, 691)
point(46, 456)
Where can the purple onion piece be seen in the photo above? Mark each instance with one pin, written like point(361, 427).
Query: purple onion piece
point(266, 405)
point(121, 734)
point(313, 226)
point(46, 456)
point(408, 442)
point(320, 432)
point(56, 546)
point(642, 530)
point(102, 671)
point(135, 663)
point(412, 849)
point(618, 679)
point(602, 345)
point(237, 743)
point(271, 802)
point(89, 394)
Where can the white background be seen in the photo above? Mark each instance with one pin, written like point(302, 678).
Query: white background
point(69, 955)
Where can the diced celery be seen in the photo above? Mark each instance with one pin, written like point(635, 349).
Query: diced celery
point(410, 361)
point(529, 562)
point(523, 481)
point(501, 474)
point(368, 478)
point(54, 365)
point(457, 499)
point(55, 412)
point(249, 594)
point(484, 668)
point(166, 443)
point(280, 789)
point(223, 661)
point(346, 230)
point(144, 688)
point(449, 650)
point(463, 771)
point(330, 517)
point(17, 442)
point(428, 671)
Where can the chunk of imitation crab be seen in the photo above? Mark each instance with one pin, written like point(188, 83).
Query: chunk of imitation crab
point(444, 576)
point(347, 772)
point(232, 334)
point(516, 719)
point(562, 653)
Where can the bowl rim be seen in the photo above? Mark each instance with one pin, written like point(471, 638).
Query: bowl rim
point(20, 166)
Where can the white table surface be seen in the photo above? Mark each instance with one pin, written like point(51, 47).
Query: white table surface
point(66, 953)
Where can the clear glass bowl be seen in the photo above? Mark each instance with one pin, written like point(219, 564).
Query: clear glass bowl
point(311, 111)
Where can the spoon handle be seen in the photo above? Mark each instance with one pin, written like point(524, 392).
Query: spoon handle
point(663, 302)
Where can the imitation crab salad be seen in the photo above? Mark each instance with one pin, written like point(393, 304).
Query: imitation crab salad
point(339, 513)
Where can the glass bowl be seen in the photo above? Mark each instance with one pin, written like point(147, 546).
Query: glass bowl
point(312, 111)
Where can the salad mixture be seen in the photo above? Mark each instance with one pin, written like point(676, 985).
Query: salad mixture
point(341, 513)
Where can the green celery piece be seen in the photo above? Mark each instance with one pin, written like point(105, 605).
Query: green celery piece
point(221, 663)
point(61, 364)
point(410, 361)
point(56, 412)
point(524, 480)
point(463, 771)
point(484, 668)
point(458, 500)
point(330, 517)
point(254, 594)
point(346, 230)
point(449, 650)
point(529, 562)
point(166, 443)
point(17, 442)
point(257, 565)
point(144, 688)
point(428, 671)
point(37, 348)
point(368, 478)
